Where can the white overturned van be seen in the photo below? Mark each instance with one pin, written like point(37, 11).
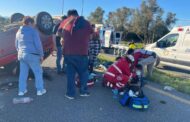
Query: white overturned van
point(174, 48)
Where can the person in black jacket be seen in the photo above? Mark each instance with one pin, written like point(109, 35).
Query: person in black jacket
point(58, 44)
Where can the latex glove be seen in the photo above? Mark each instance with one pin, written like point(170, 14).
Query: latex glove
point(131, 94)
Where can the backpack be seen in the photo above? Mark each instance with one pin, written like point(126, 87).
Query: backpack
point(138, 103)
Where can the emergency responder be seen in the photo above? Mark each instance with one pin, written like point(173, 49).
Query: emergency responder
point(144, 58)
point(119, 73)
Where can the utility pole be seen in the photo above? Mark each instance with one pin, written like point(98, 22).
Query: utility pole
point(82, 7)
point(62, 7)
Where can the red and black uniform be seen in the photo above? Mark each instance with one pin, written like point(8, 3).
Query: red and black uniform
point(140, 54)
point(118, 74)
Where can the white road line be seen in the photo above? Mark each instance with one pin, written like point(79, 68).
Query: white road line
point(168, 94)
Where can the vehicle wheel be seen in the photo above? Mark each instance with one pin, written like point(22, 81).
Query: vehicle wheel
point(157, 62)
point(12, 68)
point(44, 22)
point(17, 17)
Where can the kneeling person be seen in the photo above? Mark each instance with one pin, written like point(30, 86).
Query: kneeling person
point(119, 73)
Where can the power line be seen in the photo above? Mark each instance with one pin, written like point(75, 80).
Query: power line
point(188, 20)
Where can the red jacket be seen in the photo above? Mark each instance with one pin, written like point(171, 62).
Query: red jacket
point(118, 74)
point(141, 53)
point(76, 33)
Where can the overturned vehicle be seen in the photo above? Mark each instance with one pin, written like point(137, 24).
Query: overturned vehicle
point(8, 53)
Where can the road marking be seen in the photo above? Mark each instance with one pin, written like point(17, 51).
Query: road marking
point(168, 94)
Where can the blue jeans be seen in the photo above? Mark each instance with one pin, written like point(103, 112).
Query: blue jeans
point(59, 57)
point(28, 61)
point(76, 64)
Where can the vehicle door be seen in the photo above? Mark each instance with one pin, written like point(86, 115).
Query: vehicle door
point(117, 37)
point(183, 52)
point(102, 39)
point(165, 47)
point(107, 38)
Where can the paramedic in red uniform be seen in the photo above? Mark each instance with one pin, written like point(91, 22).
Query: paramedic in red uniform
point(119, 73)
point(144, 58)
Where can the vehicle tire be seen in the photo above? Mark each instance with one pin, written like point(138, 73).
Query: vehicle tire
point(157, 62)
point(12, 68)
point(44, 22)
point(16, 17)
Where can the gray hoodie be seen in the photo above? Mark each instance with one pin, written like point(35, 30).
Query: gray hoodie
point(28, 41)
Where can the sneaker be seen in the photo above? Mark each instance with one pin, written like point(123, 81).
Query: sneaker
point(22, 93)
point(85, 94)
point(43, 91)
point(69, 97)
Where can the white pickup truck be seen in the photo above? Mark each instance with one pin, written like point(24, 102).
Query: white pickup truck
point(173, 48)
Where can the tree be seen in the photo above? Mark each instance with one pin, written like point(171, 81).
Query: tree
point(120, 18)
point(136, 22)
point(170, 19)
point(96, 17)
point(148, 21)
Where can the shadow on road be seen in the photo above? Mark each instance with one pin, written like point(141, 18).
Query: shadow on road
point(46, 73)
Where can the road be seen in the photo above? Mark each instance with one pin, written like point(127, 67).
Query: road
point(99, 107)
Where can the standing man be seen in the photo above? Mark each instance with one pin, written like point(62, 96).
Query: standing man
point(59, 49)
point(76, 32)
point(30, 55)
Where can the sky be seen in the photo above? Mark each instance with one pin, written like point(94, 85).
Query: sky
point(54, 7)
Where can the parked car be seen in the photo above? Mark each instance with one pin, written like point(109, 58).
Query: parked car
point(8, 53)
point(174, 47)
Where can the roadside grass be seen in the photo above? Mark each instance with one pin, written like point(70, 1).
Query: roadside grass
point(105, 58)
point(166, 79)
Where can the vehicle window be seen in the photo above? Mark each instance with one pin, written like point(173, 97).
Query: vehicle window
point(117, 35)
point(168, 41)
point(186, 42)
point(112, 36)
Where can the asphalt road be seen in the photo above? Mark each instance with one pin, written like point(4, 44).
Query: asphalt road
point(99, 107)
